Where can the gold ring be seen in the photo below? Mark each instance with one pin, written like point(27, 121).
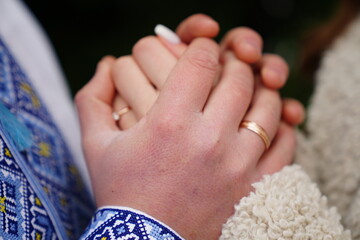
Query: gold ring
point(116, 115)
point(256, 128)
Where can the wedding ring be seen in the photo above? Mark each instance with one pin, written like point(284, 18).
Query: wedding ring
point(256, 128)
point(116, 115)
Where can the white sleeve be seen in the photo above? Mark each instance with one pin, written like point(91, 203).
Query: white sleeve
point(32, 50)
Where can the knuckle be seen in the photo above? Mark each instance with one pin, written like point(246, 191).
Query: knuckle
point(202, 60)
point(240, 89)
point(168, 124)
point(210, 145)
point(274, 105)
point(123, 62)
point(81, 97)
point(205, 56)
point(144, 44)
point(245, 32)
point(245, 71)
point(242, 81)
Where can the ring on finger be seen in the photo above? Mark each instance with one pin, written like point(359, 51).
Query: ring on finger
point(116, 115)
point(256, 128)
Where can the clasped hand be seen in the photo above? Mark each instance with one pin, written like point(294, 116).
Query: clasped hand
point(179, 154)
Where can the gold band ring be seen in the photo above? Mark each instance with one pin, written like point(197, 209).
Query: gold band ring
point(256, 128)
point(116, 115)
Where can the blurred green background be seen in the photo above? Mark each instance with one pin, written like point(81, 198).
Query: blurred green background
point(83, 31)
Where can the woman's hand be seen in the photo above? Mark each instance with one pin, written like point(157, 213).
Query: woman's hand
point(186, 162)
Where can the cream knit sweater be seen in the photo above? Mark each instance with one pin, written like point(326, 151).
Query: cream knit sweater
point(288, 204)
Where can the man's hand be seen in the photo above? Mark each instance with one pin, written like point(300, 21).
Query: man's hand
point(186, 162)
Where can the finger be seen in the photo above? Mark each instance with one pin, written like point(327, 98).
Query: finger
point(133, 86)
point(246, 44)
point(265, 111)
point(155, 61)
point(94, 101)
point(170, 40)
point(293, 112)
point(197, 25)
point(189, 83)
point(281, 152)
point(126, 120)
point(230, 99)
point(274, 71)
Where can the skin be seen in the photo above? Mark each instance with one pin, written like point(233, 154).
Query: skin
point(245, 43)
point(181, 124)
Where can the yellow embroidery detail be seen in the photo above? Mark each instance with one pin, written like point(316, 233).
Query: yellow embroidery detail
point(63, 201)
point(73, 170)
point(46, 189)
point(7, 152)
point(69, 233)
point(34, 99)
point(103, 238)
point(38, 236)
point(38, 202)
point(2, 204)
point(26, 88)
point(45, 149)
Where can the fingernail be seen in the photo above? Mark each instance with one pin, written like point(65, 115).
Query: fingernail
point(275, 74)
point(253, 43)
point(167, 34)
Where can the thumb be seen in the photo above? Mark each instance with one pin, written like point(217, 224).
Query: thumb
point(94, 101)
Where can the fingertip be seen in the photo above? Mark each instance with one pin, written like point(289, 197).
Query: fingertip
point(197, 25)
point(274, 71)
point(107, 60)
point(101, 84)
point(293, 112)
point(272, 78)
point(246, 43)
point(210, 25)
point(247, 49)
point(104, 64)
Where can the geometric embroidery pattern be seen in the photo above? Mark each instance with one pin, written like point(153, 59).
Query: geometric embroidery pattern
point(22, 215)
point(48, 158)
point(125, 224)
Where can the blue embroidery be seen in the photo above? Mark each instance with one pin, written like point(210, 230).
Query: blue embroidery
point(49, 161)
point(44, 178)
point(22, 214)
point(123, 224)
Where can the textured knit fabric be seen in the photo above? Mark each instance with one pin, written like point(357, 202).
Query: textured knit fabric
point(333, 139)
point(288, 205)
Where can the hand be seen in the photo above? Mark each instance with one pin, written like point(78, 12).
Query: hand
point(186, 162)
point(245, 43)
point(247, 46)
